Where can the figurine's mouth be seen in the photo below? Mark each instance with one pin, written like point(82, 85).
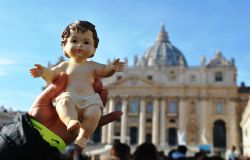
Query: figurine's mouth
point(79, 51)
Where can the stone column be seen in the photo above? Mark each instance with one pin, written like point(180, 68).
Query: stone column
point(163, 123)
point(155, 123)
point(111, 125)
point(124, 120)
point(142, 121)
point(105, 128)
point(232, 124)
point(182, 122)
point(203, 139)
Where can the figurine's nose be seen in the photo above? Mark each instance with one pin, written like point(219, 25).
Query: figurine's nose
point(80, 45)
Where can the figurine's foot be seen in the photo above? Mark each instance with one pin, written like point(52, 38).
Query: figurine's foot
point(81, 142)
point(73, 126)
point(78, 148)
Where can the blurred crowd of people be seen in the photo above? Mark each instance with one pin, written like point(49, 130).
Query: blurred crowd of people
point(148, 151)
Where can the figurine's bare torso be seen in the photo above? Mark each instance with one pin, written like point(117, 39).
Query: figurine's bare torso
point(81, 78)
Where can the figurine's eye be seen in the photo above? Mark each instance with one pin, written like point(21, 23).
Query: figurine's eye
point(74, 41)
point(86, 42)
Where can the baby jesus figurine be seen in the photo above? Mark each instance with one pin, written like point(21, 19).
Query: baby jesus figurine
point(79, 107)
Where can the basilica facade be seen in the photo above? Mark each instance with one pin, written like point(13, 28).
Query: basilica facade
point(168, 102)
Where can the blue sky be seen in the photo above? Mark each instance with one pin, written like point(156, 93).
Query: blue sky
point(30, 33)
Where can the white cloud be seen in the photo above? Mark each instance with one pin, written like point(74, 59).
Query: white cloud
point(9, 65)
point(5, 61)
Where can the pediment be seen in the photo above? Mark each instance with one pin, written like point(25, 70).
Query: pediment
point(133, 81)
point(220, 61)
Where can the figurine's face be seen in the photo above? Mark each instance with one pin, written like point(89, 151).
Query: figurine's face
point(79, 45)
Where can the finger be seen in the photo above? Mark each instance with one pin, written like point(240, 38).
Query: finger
point(109, 118)
point(35, 75)
point(116, 61)
point(52, 90)
point(33, 69)
point(36, 72)
point(121, 68)
point(39, 66)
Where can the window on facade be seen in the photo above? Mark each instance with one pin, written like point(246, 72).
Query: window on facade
point(172, 107)
point(134, 106)
point(172, 76)
point(192, 78)
point(172, 136)
point(118, 105)
point(149, 107)
point(172, 121)
point(150, 77)
point(149, 120)
point(219, 108)
point(218, 77)
point(119, 77)
point(117, 133)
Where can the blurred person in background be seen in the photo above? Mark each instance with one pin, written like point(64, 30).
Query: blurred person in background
point(119, 151)
point(179, 153)
point(145, 151)
point(231, 154)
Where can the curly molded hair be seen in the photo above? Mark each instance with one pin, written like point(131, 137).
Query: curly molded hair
point(77, 26)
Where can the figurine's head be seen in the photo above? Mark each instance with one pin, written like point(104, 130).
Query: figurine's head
point(79, 39)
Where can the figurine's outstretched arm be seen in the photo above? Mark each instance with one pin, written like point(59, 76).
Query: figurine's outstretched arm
point(110, 69)
point(46, 73)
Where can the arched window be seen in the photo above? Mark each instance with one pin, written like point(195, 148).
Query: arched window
point(172, 106)
point(118, 105)
point(219, 108)
point(149, 107)
point(219, 134)
point(134, 106)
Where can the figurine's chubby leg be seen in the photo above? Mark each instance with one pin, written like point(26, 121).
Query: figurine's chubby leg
point(73, 126)
point(91, 117)
point(68, 114)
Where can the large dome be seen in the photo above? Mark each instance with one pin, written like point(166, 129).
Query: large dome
point(163, 53)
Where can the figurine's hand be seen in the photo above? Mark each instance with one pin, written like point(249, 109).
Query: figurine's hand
point(44, 112)
point(118, 66)
point(37, 71)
